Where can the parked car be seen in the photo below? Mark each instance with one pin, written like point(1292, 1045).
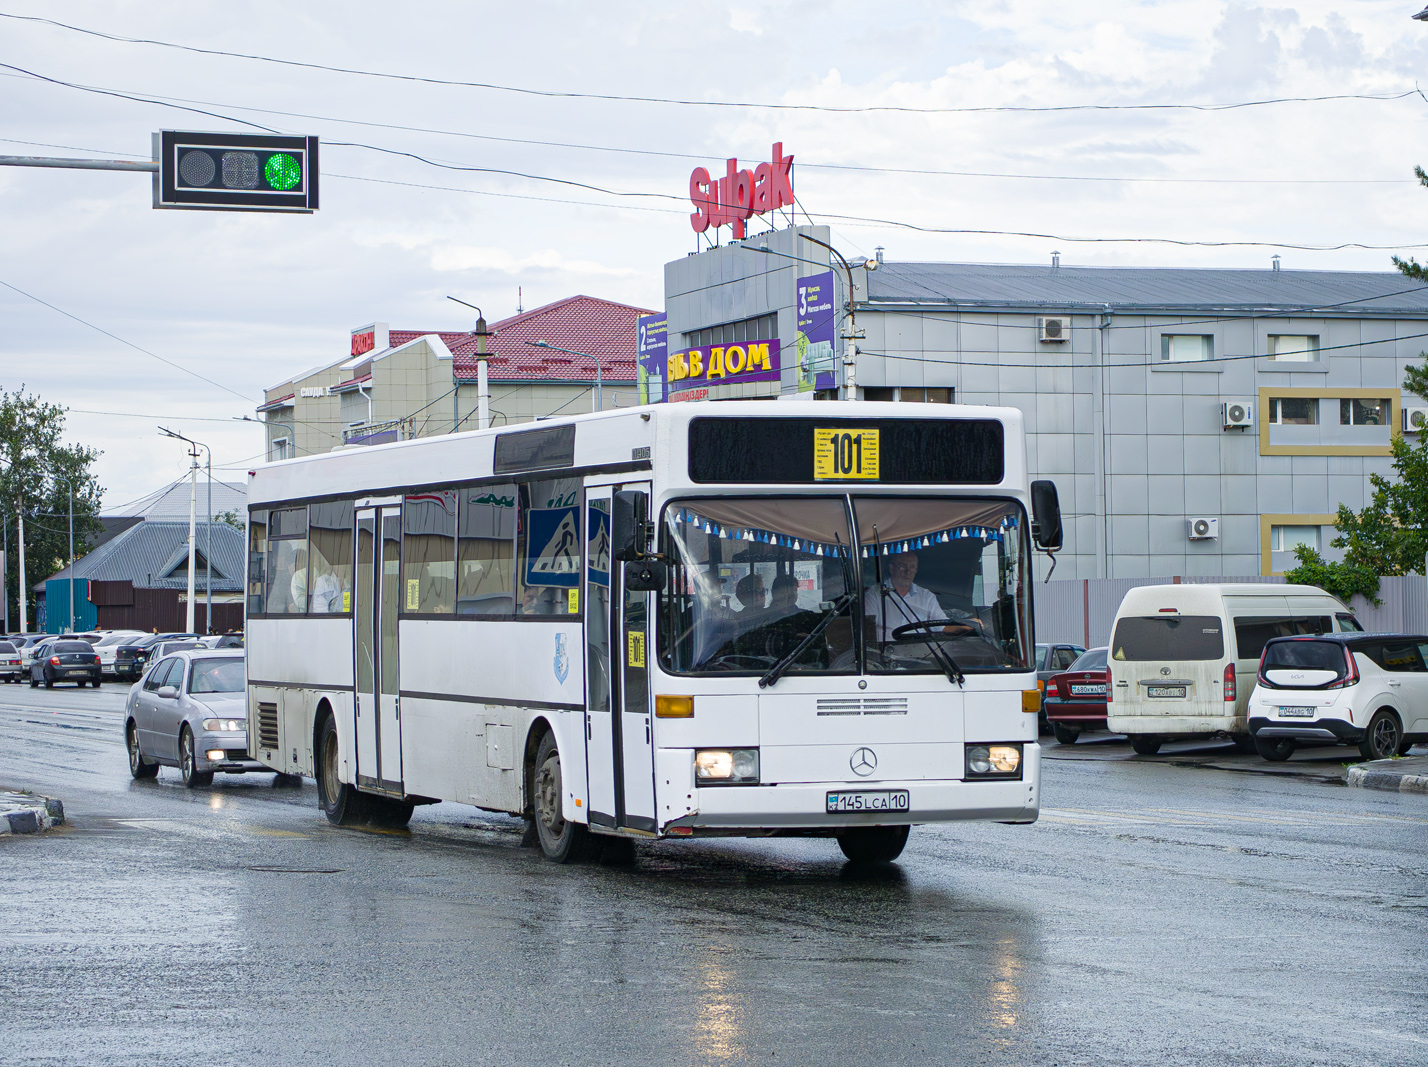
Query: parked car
point(10, 668)
point(222, 641)
point(108, 645)
point(27, 643)
point(1076, 699)
point(1179, 652)
point(1052, 659)
point(189, 711)
point(64, 661)
point(130, 658)
point(1365, 689)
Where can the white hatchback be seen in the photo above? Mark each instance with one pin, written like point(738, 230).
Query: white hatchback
point(1365, 689)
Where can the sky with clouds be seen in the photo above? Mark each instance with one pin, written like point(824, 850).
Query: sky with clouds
point(246, 300)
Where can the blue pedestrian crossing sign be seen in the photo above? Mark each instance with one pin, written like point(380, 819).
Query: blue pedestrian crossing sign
point(553, 542)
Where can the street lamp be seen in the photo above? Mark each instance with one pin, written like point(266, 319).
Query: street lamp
point(850, 350)
point(20, 537)
point(599, 380)
point(207, 527)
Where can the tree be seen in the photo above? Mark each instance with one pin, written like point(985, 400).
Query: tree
point(34, 464)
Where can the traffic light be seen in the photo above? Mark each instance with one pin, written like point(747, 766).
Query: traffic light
point(235, 171)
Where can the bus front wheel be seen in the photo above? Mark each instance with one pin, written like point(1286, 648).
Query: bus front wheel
point(873, 844)
point(341, 803)
point(561, 841)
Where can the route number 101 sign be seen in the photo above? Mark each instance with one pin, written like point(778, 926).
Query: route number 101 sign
point(841, 454)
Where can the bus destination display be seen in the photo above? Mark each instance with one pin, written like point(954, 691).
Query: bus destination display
point(845, 454)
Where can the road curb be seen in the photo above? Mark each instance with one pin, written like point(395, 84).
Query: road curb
point(28, 813)
point(1409, 775)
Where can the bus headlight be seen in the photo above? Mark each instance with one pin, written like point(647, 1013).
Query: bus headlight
point(220, 726)
point(726, 766)
point(993, 761)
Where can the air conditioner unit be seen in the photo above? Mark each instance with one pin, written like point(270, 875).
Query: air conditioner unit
point(1202, 529)
point(1415, 420)
point(1237, 414)
point(1053, 329)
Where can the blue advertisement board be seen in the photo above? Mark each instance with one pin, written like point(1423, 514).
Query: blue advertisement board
point(651, 354)
point(817, 328)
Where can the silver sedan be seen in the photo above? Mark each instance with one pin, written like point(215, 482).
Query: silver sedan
point(188, 711)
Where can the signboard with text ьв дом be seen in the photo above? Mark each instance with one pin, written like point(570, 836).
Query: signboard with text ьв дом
point(235, 172)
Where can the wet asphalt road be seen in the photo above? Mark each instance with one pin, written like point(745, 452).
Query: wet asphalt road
point(1162, 911)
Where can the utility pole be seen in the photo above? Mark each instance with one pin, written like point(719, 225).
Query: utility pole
point(194, 446)
point(24, 607)
point(192, 505)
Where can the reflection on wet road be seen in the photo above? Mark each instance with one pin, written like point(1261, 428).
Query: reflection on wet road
point(1156, 913)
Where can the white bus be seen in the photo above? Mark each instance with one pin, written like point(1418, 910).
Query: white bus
point(743, 618)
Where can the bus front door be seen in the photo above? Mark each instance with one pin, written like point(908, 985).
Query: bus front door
point(378, 600)
point(619, 749)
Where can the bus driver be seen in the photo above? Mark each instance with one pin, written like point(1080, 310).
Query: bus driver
point(908, 602)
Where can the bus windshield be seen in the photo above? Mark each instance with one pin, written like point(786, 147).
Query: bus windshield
point(939, 585)
point(944, 581)
point(751, 578)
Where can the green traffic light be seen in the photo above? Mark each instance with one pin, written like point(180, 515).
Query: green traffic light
point(282, 171)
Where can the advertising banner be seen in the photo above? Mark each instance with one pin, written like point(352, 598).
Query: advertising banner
point(651, 354)
point(694, 370)
point(817, 327)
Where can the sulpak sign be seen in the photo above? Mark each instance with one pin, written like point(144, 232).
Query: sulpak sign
point(740, 194)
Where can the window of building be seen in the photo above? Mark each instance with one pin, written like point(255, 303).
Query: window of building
point(1363, 412)
point(1294, 348)
point(280, 448)
point(758, 328)
point(330, 558)
point(1294, 410)
point(1186, 347)
point(1285, 538)
point(879, 393)
point(429, 553)
point(485, 550)
point(286, 588)
point(548, 548)
point(933, 395)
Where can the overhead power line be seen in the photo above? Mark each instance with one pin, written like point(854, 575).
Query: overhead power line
point(621, 98)
point(803, 162)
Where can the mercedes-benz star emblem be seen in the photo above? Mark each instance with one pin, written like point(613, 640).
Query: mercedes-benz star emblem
point(864, 762)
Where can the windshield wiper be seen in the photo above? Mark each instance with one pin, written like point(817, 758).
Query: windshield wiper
point(776, 671)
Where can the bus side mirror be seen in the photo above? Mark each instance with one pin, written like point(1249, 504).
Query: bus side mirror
point(645, 576)
point(1045, 515)
point(629, 525)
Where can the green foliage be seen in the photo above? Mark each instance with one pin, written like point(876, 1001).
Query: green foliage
point(233, 517)
point(1343, 580)
point(34, 465)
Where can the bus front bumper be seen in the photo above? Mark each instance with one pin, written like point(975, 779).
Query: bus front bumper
point(804, 805)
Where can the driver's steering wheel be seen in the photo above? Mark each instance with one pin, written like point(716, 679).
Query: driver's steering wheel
point(946, 627)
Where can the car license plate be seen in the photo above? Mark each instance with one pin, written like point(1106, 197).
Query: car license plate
point(870, 800)
point(1088, 690)
point(1297, 713)
point(1165, 691)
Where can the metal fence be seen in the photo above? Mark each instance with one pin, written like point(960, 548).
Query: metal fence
point(1081, 611)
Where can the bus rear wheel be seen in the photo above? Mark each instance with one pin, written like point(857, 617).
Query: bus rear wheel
point(873, 844)
point(561, 841)
point(341, 803)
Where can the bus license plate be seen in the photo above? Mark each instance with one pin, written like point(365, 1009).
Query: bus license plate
point(870, 800)
point(1088, 690)
point(1165, 691)
point(1298, 713)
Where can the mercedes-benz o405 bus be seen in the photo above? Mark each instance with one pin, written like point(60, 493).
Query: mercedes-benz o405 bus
point(686, 620)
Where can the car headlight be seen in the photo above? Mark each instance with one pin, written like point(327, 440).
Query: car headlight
point(726, 766)
point(993, 761)
point(220, 726)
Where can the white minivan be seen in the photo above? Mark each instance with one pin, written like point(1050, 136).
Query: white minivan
point(1183, 658)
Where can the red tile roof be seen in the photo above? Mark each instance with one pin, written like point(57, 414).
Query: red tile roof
point(600, 328)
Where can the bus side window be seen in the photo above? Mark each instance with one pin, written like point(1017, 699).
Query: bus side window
point(286, 587)
point(257, 559)
point(330, 558)
point(548, 548)
point(429, 553)
point(486, 550)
